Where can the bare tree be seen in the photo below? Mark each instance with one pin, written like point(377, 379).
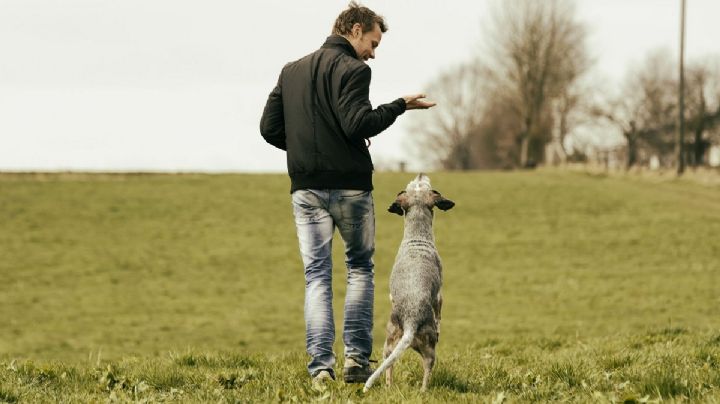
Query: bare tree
point(644, 109)
point(494, 143)
point(499, 110)
point(445, 134)
point(647, 107)
point(536, 52)
point(702, 107)
point(623, 113)
point(573, 108)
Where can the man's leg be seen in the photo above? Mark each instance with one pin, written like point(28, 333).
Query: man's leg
point(315, 231)
point(355, 218)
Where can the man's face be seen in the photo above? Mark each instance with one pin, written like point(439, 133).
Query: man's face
point(365, 43)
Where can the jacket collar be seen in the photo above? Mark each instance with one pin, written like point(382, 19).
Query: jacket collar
point(339, 42)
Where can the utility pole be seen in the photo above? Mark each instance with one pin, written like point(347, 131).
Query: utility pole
point(680, 145)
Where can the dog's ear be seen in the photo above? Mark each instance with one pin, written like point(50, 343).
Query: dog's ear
point(441, 202)
point(396, 206)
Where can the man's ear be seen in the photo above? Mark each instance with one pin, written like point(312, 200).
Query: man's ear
point(441, 202)
point(357, 30)
point(396, 206)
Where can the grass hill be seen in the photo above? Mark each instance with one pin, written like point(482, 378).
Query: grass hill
point(557, 286)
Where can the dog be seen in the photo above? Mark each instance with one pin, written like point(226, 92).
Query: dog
point(415, 281)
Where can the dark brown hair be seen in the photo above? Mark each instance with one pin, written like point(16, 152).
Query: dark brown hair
point(355, 13)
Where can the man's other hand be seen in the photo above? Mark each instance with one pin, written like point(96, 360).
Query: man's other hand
point(416, 102)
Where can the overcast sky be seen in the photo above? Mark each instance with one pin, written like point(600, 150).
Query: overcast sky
point(180, 85)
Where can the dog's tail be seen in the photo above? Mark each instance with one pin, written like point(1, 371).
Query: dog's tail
point(402, 345)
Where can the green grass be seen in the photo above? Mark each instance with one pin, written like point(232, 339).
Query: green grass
point(608, 369)
point(558, 286)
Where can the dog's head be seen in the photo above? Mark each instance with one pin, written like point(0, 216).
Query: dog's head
point(419, 193)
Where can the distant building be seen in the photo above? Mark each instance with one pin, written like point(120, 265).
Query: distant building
point(714, 156)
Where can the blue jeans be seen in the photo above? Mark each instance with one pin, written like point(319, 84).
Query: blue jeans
point(317, 213)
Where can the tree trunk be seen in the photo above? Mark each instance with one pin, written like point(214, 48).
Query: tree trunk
point(631, 150)
point(700, 123)
point(699, 146)
point(524, 145)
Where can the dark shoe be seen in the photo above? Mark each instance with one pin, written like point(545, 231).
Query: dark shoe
point(354, 372)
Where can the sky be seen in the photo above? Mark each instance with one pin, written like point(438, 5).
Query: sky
point(180, 85)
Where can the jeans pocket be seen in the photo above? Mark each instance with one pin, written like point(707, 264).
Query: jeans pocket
point(356, 206)
point(306, 206)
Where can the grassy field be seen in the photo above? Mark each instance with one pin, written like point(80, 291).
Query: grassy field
point(558, 286)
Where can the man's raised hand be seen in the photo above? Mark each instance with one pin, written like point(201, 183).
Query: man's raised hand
point(415, 102)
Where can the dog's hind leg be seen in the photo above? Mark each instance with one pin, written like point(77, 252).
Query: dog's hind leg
point(427, 351)
point(394, 333)
point(428, 356)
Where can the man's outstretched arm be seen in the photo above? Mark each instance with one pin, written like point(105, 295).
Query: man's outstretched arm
point(357, 117)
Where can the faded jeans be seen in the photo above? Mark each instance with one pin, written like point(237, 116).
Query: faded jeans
point(317, 213)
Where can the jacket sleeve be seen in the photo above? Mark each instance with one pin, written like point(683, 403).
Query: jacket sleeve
point(272, 123)
point(355, 113)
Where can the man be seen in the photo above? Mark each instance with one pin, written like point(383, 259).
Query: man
point(320, 113)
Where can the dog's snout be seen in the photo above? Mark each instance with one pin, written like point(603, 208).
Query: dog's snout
point(422, 178)
point(420, 183)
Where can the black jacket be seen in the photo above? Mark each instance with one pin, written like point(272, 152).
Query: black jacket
point(320, 113)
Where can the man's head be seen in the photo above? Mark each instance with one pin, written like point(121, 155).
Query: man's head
point(362, 27)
